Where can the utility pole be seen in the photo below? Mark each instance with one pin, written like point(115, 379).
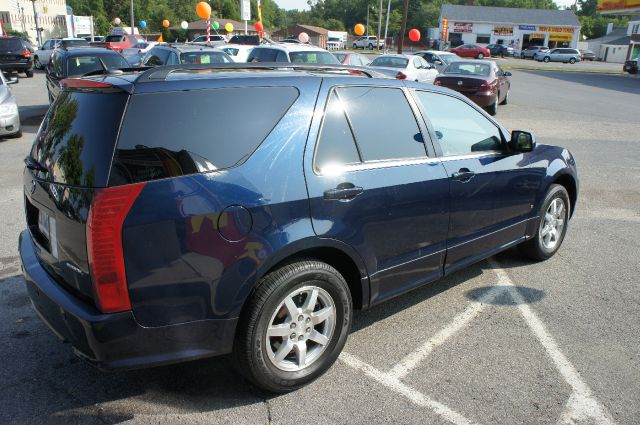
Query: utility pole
point(35, 19)
point(132, 20)
point(367, 21)
point(386, 26)
point(378, 47)
point(404, 25)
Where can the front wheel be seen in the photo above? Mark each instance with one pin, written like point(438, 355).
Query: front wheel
point(294, 326)
point(355, 46)
point(552, 225)
point(370, 46)
point(522, 56)
point(480, 56)
point(546, 59)
point(36, 63)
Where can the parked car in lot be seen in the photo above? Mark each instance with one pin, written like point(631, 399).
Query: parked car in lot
point(238, 52)
point(355, 59)
point(405, 67)
point(371, 42)
point(252, 40)
point(16, 55)
point(119, 42)
point(293, 53)
point(500, 50)
point(440, 60)
point(174, 54)
point(559, 55)
point(42, 55)
point(214, 40)
point(79, 62)
point(135, 53)
point(631, 66)
point(484, 82)
point(471, 51)
point(209, 233)
point(531, 51)
point(9, 115)
point(587, 55)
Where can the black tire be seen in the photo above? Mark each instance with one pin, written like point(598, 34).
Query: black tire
point(534, 248)
point(506, 98)
point(493, 108)
point(370, 47)
point(546, 59)
point(480, 56)
point(355, 46)
point(29, 73)
point(36, 63)
point(572, 61)
point(250, 348)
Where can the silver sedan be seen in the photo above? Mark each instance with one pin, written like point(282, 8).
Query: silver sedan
point(9, 116)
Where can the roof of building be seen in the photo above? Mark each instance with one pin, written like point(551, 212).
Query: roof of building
point(313, 28)
point(622, 41)
point(509, 15)
point(613, 35)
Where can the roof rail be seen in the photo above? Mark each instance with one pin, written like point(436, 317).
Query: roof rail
point(162, 72)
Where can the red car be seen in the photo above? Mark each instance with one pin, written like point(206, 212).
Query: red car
point(483, 82)
point(471, 51)
point(119, 42)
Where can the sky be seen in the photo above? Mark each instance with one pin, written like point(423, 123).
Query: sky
point(293, 4)
point(302, 4)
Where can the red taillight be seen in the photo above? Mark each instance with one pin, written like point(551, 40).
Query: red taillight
point(485, 86)
point(437, 83)
point(79, 83)
point(108, 211)
point(26, 54)
point(401, 76)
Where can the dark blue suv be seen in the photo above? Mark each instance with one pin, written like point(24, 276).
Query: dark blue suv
point(197, 210)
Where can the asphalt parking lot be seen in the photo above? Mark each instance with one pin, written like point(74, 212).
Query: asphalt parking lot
point(503, 342)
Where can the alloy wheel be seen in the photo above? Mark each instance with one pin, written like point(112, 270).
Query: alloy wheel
point(552, 224)
point(301, 328)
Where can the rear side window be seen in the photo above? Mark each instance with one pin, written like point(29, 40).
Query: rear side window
point(209, 130)
point(350, 121)
point(77, 138)
point(204, 57)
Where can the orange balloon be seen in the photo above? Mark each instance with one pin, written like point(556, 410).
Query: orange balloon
point(359, 29)
point(203, 10)
point(166, 23)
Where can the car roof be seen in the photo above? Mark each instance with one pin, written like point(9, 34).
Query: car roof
point(87, 50)
point(436, 52)
point(188, 47)
point(292, 47)
point(236, 46)
point(395, 55)
point(475, 62)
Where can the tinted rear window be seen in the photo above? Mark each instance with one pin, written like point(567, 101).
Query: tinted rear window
point(390, 62)
point(206, 130)
point(204, 57)
point(74, 43)
point(83, 65)
point(114, 39)
point(10, 44)
point(313, 57)
point(77, 137)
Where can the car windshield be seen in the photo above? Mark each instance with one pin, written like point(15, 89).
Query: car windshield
point(468, 68)
point(319, 58)
point(74, 43)
point(204, 57)
point(8, 44)
point(390, 62)
point(83, 65)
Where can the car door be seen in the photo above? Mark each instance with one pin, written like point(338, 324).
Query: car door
point(492, 190)
point(55, 74)
point(503, 82)
point(377, 187)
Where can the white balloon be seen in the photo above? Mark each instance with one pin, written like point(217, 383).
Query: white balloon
point(184, 25)
point(117, 21)
point(304, 37)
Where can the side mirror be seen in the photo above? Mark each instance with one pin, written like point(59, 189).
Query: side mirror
point(522, 141)
point(507, 74)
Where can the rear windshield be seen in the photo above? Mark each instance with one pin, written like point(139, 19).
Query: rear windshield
point(74, 43)
point(390, 62)
point(466, 68)
point(313, 57)
point(204, 57)
point(77, 137)
point(83, 65)
point(10, 44)
point(209, 130)
point(114, 38)
point(245, 39)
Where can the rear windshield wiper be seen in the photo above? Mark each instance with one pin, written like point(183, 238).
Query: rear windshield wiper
point(34, 165)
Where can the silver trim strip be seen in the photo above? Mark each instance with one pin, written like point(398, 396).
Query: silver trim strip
point(410, 261)
point(492, 233)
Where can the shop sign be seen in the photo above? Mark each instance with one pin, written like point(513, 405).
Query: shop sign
point(537, 35)
point(560, 37)
point(527, 27)
point(612, 6)
point(462, 27)
point(556, 29)
point(503, 30)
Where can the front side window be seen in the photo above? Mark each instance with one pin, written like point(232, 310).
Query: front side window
point(460, 129)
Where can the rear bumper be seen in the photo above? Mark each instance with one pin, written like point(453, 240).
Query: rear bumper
point(482, 99)
point(16, 66)
point(117, 341)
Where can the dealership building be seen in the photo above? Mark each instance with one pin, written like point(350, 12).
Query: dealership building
point(519, 28)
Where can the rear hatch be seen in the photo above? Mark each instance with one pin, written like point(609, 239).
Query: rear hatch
point(69, 160)
point(12, 51)
point(461, 83)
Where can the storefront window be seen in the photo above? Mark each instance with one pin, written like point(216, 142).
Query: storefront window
point(483, 38)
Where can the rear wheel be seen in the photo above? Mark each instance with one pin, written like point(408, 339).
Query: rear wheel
point(546, 59)
point(552, 225)
point(522, 56)
point(506, 98)
point(36, 63)
point(29, 73)
point(370, 46)
point(480, 56)
point(355, 46)
point(294, 326)
point(493, 108)
point(572, 60)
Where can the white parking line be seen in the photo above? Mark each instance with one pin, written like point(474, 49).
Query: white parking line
point(412, 360)
point(580, 407)
point(413, 395)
